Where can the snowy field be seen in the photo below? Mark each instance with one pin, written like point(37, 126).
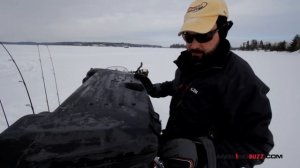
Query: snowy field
point(279, 70)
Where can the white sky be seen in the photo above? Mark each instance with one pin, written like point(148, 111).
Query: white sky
point(138, 21)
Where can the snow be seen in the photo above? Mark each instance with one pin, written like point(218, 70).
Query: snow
point(277, 69)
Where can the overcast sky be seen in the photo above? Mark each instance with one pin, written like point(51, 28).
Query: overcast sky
point(139, 21)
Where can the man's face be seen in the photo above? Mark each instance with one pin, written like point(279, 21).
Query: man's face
point(199, 49)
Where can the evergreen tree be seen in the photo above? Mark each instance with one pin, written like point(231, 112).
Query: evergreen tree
point(267, 46)
point(261, 45)
point(247, 45)
point(295, 44)
point(281, 46)
point(253, 45)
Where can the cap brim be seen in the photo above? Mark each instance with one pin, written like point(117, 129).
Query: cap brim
point(199, 25)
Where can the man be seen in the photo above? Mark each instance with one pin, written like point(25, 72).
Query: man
point(219, 108)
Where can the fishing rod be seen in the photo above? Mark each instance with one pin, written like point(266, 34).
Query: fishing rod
point(4, 113)
point(23, 81)
point(43, 76)
point(53, 70)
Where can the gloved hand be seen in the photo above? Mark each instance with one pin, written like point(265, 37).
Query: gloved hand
point(90, 73)
point(146, 82)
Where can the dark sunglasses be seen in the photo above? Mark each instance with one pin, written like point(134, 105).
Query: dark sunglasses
point(201, 38)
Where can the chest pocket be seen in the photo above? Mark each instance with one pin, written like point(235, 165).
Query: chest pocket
point(200, 98)
point(199, 103)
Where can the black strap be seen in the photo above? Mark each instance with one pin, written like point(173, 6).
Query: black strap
point(210, 151)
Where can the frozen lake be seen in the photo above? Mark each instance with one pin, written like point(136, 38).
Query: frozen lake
point(279, 70)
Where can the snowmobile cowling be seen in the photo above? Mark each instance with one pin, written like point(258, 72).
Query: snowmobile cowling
point(108, 121)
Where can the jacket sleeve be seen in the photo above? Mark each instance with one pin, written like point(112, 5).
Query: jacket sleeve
point(249, 114)
point(166, 88)
point(162, 89)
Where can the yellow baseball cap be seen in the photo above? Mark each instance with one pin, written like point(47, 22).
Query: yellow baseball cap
point(202, 15)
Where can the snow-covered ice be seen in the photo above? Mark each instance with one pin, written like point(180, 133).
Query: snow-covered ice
point(279, 70)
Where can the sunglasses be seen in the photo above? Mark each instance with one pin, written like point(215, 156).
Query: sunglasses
point(201, 38)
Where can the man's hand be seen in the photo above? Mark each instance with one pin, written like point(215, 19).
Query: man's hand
point(146, 82)
point(90, 73)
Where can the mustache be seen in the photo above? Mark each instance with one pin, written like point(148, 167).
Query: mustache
point(196, 51)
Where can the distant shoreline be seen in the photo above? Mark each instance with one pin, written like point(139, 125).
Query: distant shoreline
point(99, 44)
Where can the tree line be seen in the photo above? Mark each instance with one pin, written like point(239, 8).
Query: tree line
point(177, 46)
point(292, 46)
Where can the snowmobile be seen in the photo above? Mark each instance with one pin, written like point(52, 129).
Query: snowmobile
point(108, 121)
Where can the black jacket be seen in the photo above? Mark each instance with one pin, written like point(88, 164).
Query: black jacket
point(219, 97)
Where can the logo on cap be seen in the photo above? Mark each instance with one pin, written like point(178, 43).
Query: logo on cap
point(197, 8)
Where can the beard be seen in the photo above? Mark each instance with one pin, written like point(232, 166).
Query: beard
point(198, 54)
